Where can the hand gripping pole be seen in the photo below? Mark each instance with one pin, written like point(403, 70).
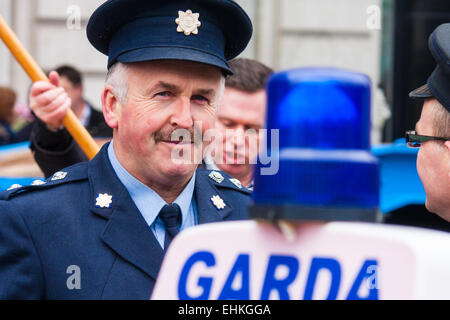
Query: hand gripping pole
point(70, 121)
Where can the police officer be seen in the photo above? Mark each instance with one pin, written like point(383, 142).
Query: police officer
point(432, 132)
point(241, 115)
point(239, 118)
point(99, 230)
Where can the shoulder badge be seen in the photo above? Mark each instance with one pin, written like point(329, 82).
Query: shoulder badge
point(216, 176)
point(37, 182)
point(14, 186)
point(236, 182)
point(59, 175)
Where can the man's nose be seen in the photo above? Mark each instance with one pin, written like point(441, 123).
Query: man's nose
point(237, 137)
point(181, 114)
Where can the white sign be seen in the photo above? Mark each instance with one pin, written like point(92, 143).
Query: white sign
point(253, 260)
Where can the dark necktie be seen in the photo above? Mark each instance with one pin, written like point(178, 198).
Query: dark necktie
point(170, 214)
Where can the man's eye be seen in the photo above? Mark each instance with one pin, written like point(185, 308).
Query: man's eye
point(228, 124)
point(252, 127)
point(163, 94)
point(201, 99)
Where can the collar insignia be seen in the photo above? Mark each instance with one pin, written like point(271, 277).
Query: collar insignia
point(218, 202)
point(103, 200)
point(216, 176)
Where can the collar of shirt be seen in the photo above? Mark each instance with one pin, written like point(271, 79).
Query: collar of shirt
point(85, 115)
point(143, 195)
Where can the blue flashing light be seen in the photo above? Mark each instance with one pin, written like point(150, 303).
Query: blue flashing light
point(323, 108)
point(323, 117)
point(325, 178)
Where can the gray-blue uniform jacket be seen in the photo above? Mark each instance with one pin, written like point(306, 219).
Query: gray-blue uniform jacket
point(47, 230)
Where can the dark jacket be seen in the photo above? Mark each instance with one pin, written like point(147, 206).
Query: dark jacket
point(48, 230)
point(8, 136)
point(97, 126)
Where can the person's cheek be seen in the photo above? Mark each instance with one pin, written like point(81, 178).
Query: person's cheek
point(252, 147)
point(419, 163)
point(230, 140)
point(425, 169)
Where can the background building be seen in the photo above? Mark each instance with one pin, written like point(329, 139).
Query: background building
point(288, 34)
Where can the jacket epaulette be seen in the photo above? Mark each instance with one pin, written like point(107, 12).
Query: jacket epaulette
point(71, 174)
point(223, 180)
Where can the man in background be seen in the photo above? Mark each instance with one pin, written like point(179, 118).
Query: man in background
point(240, 117)
point(432, 132)
point(52, 145)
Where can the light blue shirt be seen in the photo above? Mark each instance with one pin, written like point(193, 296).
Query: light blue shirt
point(150, 203)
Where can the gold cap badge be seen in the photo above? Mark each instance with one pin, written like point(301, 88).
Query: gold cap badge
point(188, 22)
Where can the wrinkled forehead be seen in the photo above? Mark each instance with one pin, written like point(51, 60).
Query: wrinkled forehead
point(173, 68)
point(175, 75)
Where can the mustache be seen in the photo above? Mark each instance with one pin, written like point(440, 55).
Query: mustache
point(181, 133)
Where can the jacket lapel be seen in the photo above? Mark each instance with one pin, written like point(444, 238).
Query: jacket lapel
point(126, 232)
point(129, 236)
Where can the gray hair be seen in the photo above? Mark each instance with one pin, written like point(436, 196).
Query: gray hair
point(222, 91)
point(117, 78)
point(441, 120)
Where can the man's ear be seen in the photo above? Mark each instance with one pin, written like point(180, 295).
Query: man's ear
point(111, 107)
point(447, 149)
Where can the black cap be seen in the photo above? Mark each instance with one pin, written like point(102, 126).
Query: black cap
point(438, 84)
point(206, 31)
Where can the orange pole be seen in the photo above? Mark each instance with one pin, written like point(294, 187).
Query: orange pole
point(70, 121)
